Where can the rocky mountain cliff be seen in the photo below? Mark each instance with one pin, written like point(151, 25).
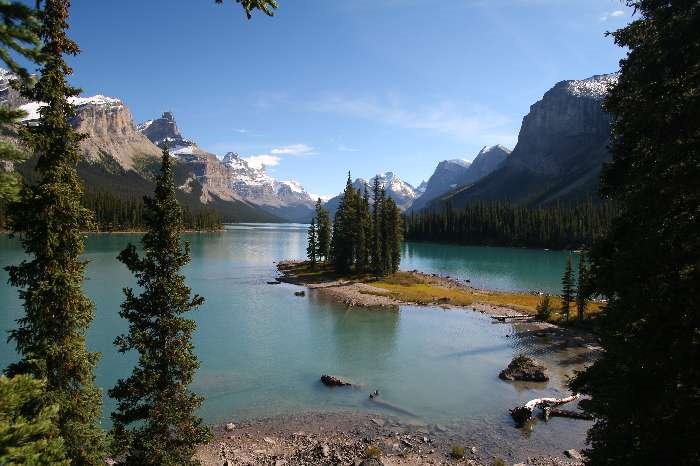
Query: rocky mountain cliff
point(454, 174)
point(561, 148)
point(231, 178)
point(118, 159)
point(444, 179)
point(400, 191)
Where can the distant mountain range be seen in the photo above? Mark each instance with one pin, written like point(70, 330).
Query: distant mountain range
point(400, 191)
point(562, 146)
point(560, 151)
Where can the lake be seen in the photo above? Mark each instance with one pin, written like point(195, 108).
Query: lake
point(262, 349)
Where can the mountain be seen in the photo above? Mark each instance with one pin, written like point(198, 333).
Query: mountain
point(400, 191)
point(487, 160)
point(445, 178)
point(231, 178)
point(119, 160)
point(562, 145)
point(453, 174)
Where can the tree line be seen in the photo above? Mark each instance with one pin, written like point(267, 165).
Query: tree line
point(505, 224)
point(112, 213)
point(365, 237)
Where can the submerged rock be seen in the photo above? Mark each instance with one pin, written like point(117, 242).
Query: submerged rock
point(335, 381)
point(300, 293)
point(523, 368)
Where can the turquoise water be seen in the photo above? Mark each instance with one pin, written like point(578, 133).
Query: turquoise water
point(262, 349)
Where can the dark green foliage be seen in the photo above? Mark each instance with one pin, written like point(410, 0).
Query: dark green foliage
point(28, 432)
point(312, 247)
point(20, 30)
point(544, 308)
point(19, 34)
point(115, 214)
point(49, 219)
point(323, 226)
point(583, 288)
point(505, 224)
point(568, 290)
point(266, 6)
point(155, 421)
point(344, 230)
point(644, 388)
point(364, 239)
point(377, 238)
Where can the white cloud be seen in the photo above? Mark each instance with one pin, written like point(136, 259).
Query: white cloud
point(465, 121)
point(257, 161)
point(614, 14)
point(294, 149)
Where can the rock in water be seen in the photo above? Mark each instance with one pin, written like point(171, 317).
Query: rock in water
point(525, 369)
point(300, 293)
point(334, 381)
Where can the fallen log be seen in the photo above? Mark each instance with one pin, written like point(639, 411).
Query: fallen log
point(522, 414)
point(504, 318)
point(554, 412)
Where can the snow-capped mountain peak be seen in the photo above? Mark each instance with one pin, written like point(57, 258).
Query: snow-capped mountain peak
point(595, 87)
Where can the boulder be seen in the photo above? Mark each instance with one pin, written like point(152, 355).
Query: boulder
point(335, 381)
point(300, 293)
point(523, 368)
point(230, 426)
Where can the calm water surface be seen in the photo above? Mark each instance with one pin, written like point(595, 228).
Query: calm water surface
point(262, 349)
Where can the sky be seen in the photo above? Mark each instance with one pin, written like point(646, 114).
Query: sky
point(330, 86)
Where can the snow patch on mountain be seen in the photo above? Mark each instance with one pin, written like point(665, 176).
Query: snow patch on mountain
point(596, 87)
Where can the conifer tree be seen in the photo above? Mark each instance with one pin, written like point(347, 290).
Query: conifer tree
point(28, 432)
point(567, 289)
point(582, 288)
point(155, 422)
point(363, 232)
point(312, 248)
point(19, 34)
point(376, 243)
point(49, 219)
point(323, 227)
point(344, 230)
point(395, 235)
point(644, 388)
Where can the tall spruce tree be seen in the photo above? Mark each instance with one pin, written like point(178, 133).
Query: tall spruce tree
point(376, 243)
point(644, 388)
point(567, 290)
point(363, 235)
point(323, 227)
point(49, 221)
point(312, 247)
point(155, 422)
point(344, 230)
point(395, 235)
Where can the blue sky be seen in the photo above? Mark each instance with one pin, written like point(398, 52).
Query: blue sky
point(328, 86)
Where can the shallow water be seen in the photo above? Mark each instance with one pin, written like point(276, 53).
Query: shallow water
point(262, 349)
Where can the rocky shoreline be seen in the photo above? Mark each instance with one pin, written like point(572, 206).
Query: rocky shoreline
point(352, 438)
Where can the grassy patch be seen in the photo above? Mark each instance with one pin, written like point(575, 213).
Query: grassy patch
point(457, 452)
point(373, 452)
point(424, 289)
